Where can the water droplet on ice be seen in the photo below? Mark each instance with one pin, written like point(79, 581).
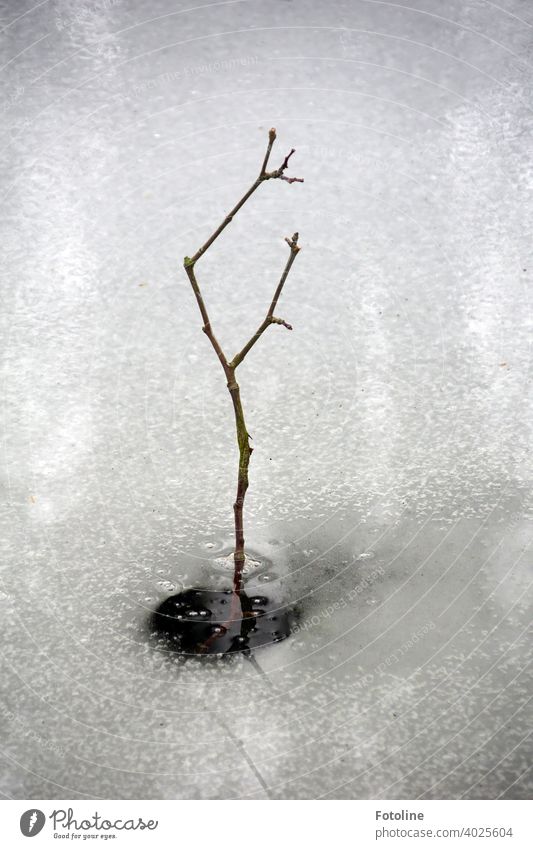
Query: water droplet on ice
point(168, 586)
point(260, 600)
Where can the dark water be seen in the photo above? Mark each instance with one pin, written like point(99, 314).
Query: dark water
point(210, 622)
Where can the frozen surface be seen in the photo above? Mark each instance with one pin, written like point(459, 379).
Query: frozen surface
point(390, 485)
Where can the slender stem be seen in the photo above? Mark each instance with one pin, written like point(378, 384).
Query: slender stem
point(207, 324)
point(271, 140)
point(227, 220)
point(238, 358)
point(245, 452)
point(243, 437)
point(293, 245)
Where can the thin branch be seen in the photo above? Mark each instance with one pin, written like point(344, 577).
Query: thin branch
point(238, 358)
point(221, 227)
point(271, 140)
point(263, 175)
point(270, 318)
point(286, 160)
point(291, 179)
point(293, 245)
point(207, 324)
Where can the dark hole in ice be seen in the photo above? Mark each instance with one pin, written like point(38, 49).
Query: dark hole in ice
point(201, 622)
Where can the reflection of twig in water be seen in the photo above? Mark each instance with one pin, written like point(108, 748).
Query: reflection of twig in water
point(240, 611)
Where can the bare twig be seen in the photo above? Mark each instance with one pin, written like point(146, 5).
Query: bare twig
point(243, 437)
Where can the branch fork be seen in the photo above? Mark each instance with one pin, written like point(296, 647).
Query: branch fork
point(278, 173)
